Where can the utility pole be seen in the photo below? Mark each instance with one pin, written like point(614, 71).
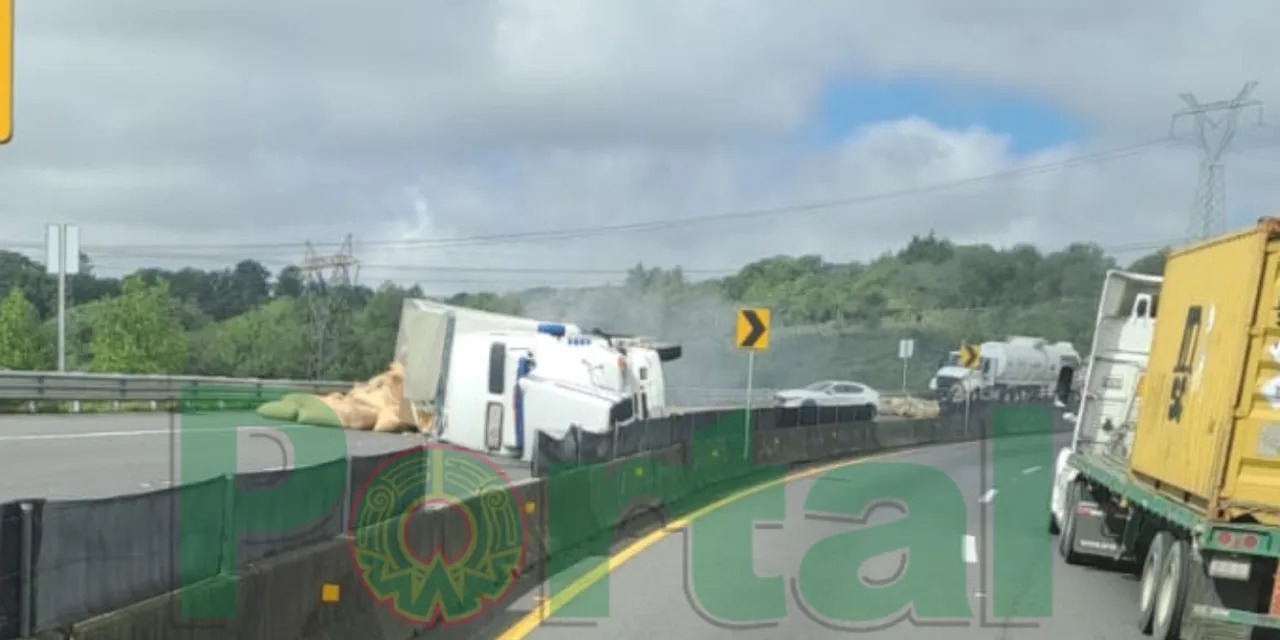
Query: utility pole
point(62, 258)
point(1213, 137)
point(327, 283)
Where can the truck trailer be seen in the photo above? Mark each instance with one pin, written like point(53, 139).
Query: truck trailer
point(1180, 481)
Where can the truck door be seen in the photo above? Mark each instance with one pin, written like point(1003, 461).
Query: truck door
point(642, 392)
point(520, 364)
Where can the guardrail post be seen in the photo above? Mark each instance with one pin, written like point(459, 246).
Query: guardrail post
point(230, 542)
point(26, 573)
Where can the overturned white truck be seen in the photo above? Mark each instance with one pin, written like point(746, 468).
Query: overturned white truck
point(490, 382)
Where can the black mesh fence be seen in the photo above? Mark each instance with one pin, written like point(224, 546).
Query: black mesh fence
point(99, 555)
point(281, 510)
point(11, 545)
point(581, 447)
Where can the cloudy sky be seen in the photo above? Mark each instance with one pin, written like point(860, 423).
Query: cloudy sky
point(496, 143)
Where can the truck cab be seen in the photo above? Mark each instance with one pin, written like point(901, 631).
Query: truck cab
point(493, 385)
point(1108, 408)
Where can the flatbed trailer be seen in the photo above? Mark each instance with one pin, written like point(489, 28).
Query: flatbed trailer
point(1201, 579)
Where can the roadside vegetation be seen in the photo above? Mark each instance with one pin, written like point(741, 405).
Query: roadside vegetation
point(829, 320)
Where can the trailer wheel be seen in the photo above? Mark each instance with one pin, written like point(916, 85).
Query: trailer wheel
point(1067, 539)
point(1171, 594)
point(1151, 572)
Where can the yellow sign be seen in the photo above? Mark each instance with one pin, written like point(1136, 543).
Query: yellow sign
point(970, 356)
point(6, 71)
point(329, 593)
point(753, 329)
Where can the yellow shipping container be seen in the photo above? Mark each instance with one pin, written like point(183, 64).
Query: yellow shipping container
point(1208, 431)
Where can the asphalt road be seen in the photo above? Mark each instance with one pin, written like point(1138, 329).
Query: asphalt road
point(69, 456)
point(102, 455)
point(956, 560)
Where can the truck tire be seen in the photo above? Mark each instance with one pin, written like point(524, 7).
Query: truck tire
point(1151, 568)
point(1171, 593)
point(1067, 539)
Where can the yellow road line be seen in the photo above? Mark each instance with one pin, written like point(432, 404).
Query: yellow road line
point(546, 607)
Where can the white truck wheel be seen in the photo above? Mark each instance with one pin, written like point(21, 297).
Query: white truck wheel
point(1171, 594)
point(1151, 572)
point(1067, 541)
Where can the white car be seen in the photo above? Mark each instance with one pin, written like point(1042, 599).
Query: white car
point(831, 393)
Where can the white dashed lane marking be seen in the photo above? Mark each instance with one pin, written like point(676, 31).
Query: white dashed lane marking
point(970, 549)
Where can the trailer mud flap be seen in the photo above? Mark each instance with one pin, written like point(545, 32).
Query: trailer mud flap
point(1093, 536)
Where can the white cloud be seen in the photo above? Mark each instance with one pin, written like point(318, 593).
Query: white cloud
point(249, 123)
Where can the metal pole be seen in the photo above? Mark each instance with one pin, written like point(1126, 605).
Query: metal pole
point(26, 571)
point(904, 376)
point(746, 423)
point(967, 396)
point(62, 297)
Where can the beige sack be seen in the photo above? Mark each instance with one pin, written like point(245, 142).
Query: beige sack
point(389, 422)
point(352, 415)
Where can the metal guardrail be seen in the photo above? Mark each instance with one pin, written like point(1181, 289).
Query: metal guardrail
point(36, 386)
point(72, 386)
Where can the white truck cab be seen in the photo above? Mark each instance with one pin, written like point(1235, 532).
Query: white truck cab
point(1118, 360)
point(491, 388)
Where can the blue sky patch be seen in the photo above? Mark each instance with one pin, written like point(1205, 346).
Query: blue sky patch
point(1032, 124)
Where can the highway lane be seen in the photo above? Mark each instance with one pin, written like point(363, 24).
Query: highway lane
point(72, 456)
point(650, 594)
point(93, 456)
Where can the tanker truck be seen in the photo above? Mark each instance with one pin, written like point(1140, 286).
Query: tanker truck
point(1018, 369)
point(490, 382)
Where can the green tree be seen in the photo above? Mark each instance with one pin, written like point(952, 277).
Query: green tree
point(1152, 263)
point(20, 347)
point(139, 331)
point(268, 342)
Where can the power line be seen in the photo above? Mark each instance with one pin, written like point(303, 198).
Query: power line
point(122, 260)
point(1209, 214)
point(739, 215)
point(130, 262)
point(323, 273)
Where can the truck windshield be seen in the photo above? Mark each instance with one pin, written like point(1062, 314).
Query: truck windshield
point(953, 359)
